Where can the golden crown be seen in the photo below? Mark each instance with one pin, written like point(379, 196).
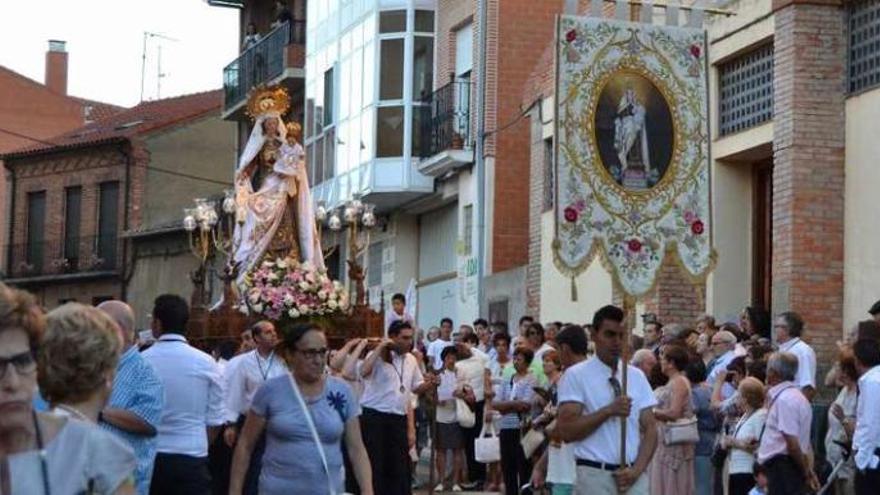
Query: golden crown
point(263, 100)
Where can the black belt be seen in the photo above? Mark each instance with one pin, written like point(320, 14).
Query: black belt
point(604, 466)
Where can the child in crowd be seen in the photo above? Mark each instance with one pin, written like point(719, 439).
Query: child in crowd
point(760, 481)
point(449, 434)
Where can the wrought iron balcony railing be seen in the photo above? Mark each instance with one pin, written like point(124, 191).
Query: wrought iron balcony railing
point(261, 62)
point(446, 119)
point(64, 256)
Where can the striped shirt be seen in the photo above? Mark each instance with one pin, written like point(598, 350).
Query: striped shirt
point(137, 389)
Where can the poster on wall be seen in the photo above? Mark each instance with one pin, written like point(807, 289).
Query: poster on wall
point(632, 150)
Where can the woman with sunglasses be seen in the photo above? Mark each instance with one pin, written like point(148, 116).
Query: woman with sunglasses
point(295, 461)
point(52, 454)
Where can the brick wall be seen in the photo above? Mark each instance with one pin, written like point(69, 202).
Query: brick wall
point(537, 179)
point(808, 174)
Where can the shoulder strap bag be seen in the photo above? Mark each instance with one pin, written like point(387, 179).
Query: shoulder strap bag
point(308, 415)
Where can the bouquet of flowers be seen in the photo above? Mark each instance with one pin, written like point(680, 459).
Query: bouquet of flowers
point(287, 289)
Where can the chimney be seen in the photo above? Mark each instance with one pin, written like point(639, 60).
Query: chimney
point(56, 67)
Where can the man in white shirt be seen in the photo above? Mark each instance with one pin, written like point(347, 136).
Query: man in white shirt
point(398, 312)
point(391, 374)
point(247, 373)
point(193, 403)
point(788, 328)
point(472, 369)
point(591, 405)
point(866, 438)
point(524, 324)
point(442, 342)
point(724, 347)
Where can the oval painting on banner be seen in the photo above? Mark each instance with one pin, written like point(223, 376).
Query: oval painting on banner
point(634, 130)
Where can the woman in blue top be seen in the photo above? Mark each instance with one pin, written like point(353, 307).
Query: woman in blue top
point(292, 462)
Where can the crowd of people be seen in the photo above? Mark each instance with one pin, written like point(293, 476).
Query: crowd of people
point(702, 409)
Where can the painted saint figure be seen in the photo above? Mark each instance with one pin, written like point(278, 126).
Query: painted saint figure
point(630, 130)
point(274, 204)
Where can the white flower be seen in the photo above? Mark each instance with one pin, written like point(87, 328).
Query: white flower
point(332, 304)
point(267, 264)
point(337, 285)
point(281, 264)
point(278, 261)
point(333, 296)
point(258, 308)
point(304, 285)
point(272, 276)
point(243, 309)
point(322, 295)
point(293, 313)
point(288, 301)
point(307, 266)
point(254, 295)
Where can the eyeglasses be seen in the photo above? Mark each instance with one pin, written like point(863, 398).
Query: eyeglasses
point(314, 353)
point(23, 363)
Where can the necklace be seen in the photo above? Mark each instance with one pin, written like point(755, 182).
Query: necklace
point(76, 413)
point(400, 373)
point(264, 374)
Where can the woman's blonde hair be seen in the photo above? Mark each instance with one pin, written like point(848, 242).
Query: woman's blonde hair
point(19, 310)
point(752, 391)
point(81, 346)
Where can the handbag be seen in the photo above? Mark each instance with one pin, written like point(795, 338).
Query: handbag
point(681, 432)
point(487, 448)
point(464, 414)
point(531, 441)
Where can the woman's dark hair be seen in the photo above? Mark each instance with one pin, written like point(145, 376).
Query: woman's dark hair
point(760, 352)
point(696, 371)
point(867, 352)
point(292, 335)
point(609, 312)
point(446, 320)
point(760, 320)
point(447, 351)
point(226, 349)
point(172, 312)
point(526, 319)
point(536, 328)
point(526, 353)
point(481, 322)
point(757, 369)
point(575, 337)
point(677, 355)
point(500, 336)
point(738, 364)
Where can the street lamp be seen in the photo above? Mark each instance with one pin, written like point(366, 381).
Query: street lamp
point(209, 226)
point(356, 217)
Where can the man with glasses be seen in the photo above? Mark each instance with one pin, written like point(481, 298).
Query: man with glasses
point(788, 328)
point(391, 374)
point(591, 407)
point(246, 373)
point(724, 348)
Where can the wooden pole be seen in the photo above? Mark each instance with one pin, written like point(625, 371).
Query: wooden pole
point(628, 308)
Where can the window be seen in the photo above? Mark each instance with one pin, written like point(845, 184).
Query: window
point(864, 44)
point(328, 97)
point(423, 67)
point(392, 21)
point(108, 224)
point(468, 233)
point(389, 138)
point(72, 217)
point(424, 21)
point(746, 90)
point(464, 50)
point(374, 264)
point(549, 175)
point(391, 70)
point(36, 233)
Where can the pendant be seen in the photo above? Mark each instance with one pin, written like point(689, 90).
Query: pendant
point(402, 389)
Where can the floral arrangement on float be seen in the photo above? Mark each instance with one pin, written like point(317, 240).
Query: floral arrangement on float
point(285, 289)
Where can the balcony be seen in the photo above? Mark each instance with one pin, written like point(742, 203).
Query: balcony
point(60, 259)
point(447, 142)
point(277, 56)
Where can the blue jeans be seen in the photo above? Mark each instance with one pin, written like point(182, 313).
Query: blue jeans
point(703, 475)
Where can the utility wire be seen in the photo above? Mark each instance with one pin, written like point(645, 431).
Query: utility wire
point(148, 167)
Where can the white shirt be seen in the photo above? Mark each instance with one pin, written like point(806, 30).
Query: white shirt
point(727, 390)
point(435, 349)
point(472, 371)
point(382, 387)
point(193, 395)
point(806, 373)
point(587, 383)
point(561, 464)
point(866, 438)
point(391, 317)
point(247, 375)
point(748, 427)
point(448, 384)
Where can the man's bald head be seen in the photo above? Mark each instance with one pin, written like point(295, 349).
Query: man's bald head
point(123, 315)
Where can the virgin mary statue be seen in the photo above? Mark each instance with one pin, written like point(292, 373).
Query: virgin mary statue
point(274, 205)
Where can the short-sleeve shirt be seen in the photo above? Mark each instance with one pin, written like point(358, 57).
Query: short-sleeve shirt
point(789, 414)
point(80, 454)
point(446, 401)
point(748, 428)
point(520, 389)
point(806, 356)
point(382, 387)
point(291, 462)
point(472, 371)
point(587, 383)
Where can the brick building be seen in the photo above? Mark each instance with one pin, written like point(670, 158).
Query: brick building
point(31, 111)
point(794, 90)
point(87, 210)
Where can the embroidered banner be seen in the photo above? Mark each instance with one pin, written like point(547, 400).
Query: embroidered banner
point(632, 150)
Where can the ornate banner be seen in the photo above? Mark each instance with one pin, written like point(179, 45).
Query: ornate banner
point(632, 150)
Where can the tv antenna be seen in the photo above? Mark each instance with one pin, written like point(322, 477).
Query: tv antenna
point(159, 74)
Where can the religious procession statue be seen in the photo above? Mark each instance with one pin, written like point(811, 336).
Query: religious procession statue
point(274, 205)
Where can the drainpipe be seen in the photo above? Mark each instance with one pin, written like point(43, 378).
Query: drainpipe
point(124, 278)
point(480, 160)
point(11, 217)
